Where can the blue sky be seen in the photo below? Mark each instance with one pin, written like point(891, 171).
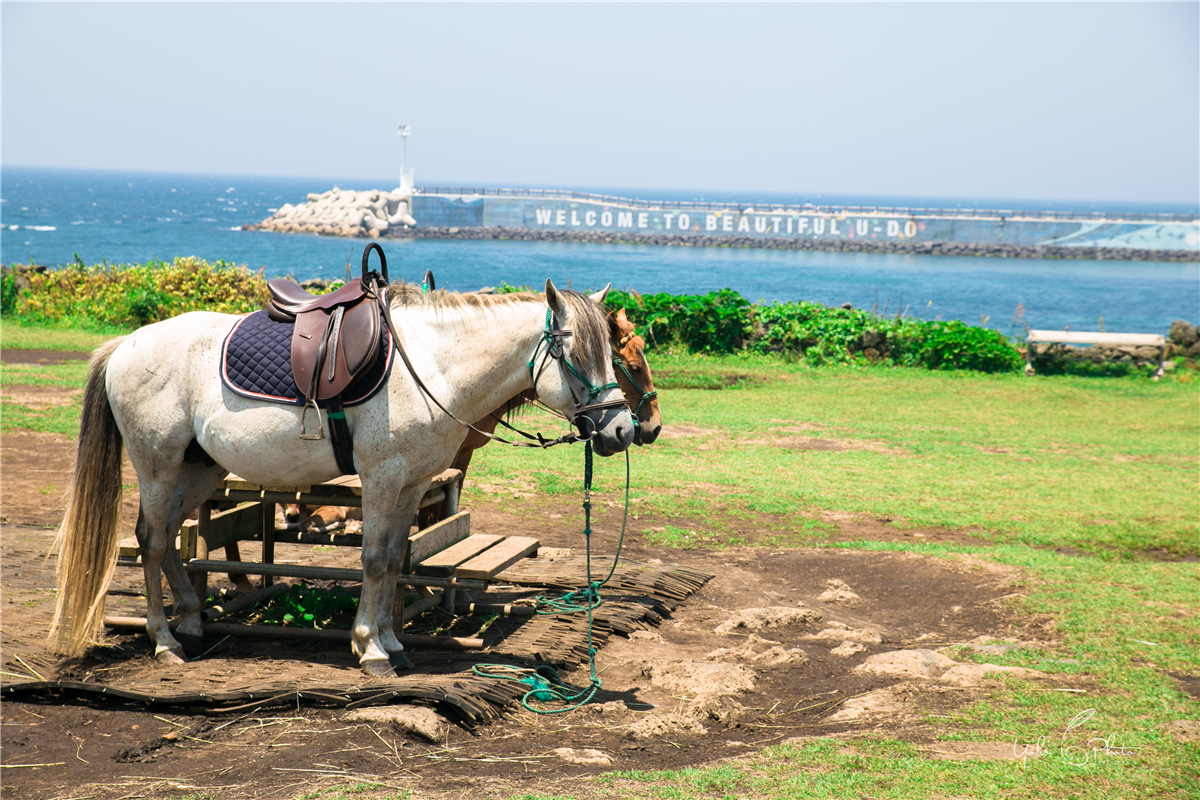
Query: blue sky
point(1073, 101)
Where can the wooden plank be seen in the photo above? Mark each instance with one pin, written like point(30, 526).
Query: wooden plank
point(499, 558)
point(442, 478)
point(236, 482)
point(336, 538)
point(438, 537)
point(444, 563)
point(279, 632)
point(331, 496)
point(321, 573)
point(232, 525)
point(352, 481)
point(1096, 337)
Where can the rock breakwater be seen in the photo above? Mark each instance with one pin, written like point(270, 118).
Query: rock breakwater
point(847, 246)
point(343, 212)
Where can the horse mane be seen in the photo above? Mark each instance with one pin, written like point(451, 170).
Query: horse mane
point(589, 321)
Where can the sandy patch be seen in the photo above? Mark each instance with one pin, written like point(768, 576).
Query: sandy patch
point(40, 398)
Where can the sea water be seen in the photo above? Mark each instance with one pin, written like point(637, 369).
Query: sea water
point(53, 216)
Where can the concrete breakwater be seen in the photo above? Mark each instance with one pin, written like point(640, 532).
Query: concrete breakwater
point(552, 215)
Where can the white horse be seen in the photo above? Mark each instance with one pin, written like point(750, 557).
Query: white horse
point(158, 390)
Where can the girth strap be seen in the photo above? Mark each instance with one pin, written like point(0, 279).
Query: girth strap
point(339, 436)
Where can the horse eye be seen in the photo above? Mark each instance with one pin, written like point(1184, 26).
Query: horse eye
point(635, 367)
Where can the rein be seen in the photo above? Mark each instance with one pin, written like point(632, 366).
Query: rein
point(377, 284)
point(585, 599)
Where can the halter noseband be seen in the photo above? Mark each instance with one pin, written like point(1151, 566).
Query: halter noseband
point(553, 337)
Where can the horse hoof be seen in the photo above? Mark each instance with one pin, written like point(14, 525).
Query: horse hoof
point(400, 661)
point(193, 645)
point(378, 668)
point(170, 655)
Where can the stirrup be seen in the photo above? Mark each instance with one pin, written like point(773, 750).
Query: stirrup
point(320, 434)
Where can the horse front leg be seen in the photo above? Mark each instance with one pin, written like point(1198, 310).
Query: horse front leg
point(388, 510)
point(397, 548)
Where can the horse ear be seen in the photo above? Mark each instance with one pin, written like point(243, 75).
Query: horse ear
point(621, 316)
point(554, 300)
point(603, 293)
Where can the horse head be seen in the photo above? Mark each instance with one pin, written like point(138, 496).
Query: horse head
point(585, 387)
point(633, 373)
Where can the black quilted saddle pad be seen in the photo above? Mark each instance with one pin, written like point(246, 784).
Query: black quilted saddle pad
point(256, 362)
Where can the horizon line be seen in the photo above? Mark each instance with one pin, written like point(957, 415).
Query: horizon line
point(1192, 205)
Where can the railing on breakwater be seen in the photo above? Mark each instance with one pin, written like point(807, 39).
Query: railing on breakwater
point(807, 208)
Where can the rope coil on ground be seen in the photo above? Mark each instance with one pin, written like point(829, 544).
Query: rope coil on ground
point(585, 599)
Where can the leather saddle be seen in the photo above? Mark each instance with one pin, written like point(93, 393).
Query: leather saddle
point(335, 341)
point(336, 338)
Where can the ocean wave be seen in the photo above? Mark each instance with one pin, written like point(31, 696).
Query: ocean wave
point(236, 228)
point(40, 228)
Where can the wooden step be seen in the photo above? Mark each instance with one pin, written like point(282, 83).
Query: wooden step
point(444, 563)
point(437, 537)
point(498, 558)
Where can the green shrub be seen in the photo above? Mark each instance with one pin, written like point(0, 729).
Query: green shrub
point(8, 294)
point(953, 344)
point(717, 322)
point(137, 294)
point(724, 322)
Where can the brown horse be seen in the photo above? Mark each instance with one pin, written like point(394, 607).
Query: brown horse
point(633, 374)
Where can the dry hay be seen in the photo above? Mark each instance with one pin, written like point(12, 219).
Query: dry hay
point(637, 597)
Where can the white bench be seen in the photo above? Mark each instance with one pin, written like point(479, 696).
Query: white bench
point(1096, 337)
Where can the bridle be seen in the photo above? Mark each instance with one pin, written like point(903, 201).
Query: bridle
point(553, 339)
point(377, 284)
point(619, 363)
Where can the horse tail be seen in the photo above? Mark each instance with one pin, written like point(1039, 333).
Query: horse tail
point(88, 540)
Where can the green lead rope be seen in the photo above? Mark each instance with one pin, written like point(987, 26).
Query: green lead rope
point(546, 686)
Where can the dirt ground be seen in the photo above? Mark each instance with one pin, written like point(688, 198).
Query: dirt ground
point(781, 644)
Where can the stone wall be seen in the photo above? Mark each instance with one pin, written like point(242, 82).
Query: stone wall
point(1183, 347)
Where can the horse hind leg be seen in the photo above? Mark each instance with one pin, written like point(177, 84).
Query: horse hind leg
point(163, 510)
point(153, 545)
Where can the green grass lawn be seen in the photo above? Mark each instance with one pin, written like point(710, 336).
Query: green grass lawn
point(1103, 465)
point(1108, 466)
